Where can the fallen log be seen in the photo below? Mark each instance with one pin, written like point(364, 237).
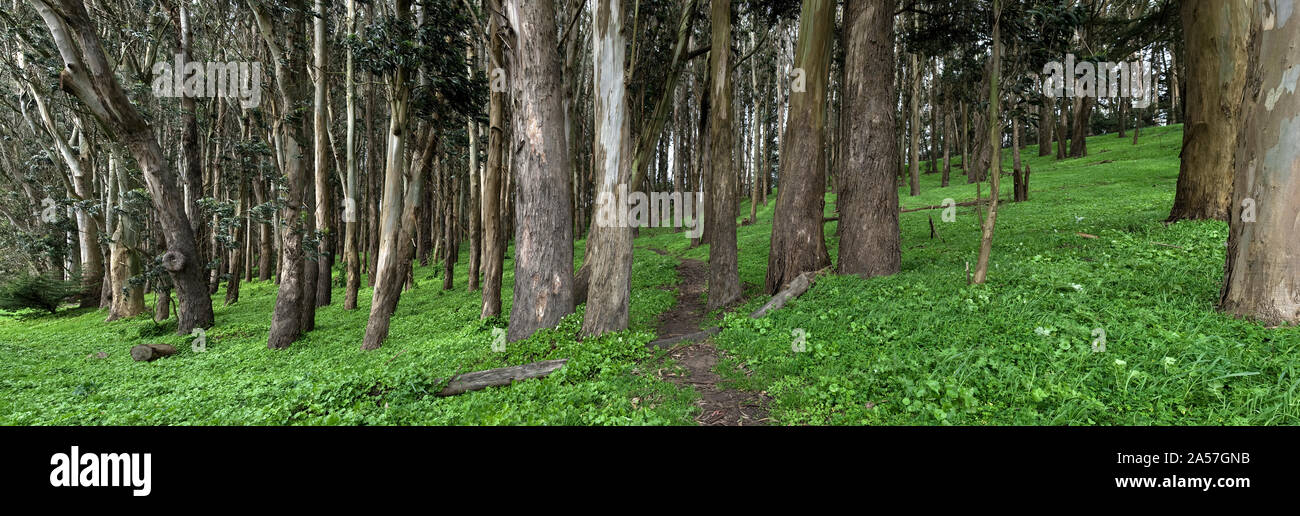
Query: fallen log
point(151, 352)
point(795, 289)
point(499, 377)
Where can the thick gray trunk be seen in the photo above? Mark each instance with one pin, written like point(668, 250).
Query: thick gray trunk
point(870, 244)
point(543, 292)
point(1262, 273)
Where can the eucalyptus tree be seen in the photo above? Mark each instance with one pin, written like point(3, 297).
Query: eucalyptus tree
point(321, 154)
point(994, 124)
point(493, 186)
point(622, 157)
point(427, 81)
point(914, 124)
point(798, 244)
point(89, 76)
point(351, 242)
point(285, 42)
point(608, 243)
point(1262, 270)
point(543, 290)
point(724, 273)
point(1216, 35)
point(77, 175)
point(870, 244)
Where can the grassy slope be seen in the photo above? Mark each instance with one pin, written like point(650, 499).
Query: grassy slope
point(324, 378)
point(920, 347)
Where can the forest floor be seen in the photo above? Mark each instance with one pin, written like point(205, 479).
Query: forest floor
point(921, 347)
point(719, 406)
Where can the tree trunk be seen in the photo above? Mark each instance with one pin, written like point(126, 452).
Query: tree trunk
point(543, 292)
point(324, 199)
point(1046, 112)
point(351, 237)
point(1015, 159)
point(934, 116)
point(1122, 108)
point(151, 352)
point(914, 127)
point(724, 272)
point(266, 244)
point(1062, 130)
point(92, 257)
point(88, 76)
point(947, 143)
point(1174, 113)
point(394, 241)
point(237, 248)
point(290, 74)
point(870, 244)
point(191, 162)
point(474, 214)
point(798, 244)
point(1082, 114)
point(756, 145)
point(705, 162)
point(609, 241)
point(494, 240)
point(311, 257)
point(1137, 126)
point(1216, 64)
point(428, 232)
point(966, 167)
point(124, 262)
point(1262, 273)
point(624, 163)
point(450, 236)
point(374, 180)
point(995, 148)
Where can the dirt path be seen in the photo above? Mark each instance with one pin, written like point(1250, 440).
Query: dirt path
point(719, 407)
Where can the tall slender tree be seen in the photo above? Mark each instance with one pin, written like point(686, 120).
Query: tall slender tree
point(994, 122)
point(291, 86)
point(724, 272)
point(914, 126)
point(610, 267)
point(494, 238)
point(351, 237)
point(321, 147)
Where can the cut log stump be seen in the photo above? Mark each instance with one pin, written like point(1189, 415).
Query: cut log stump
point(151, 352)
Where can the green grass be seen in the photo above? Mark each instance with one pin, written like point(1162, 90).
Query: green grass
point(324, 379)
point(919, 347)
point(922, 347)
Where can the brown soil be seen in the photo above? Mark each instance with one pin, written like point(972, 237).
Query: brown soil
point(719, 407)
